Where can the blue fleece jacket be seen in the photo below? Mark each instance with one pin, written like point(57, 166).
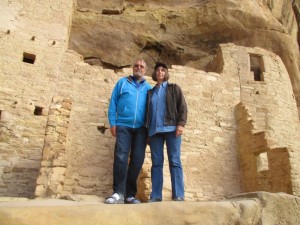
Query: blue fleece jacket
point(128, 103)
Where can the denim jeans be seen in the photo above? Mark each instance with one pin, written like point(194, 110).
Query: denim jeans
point(157, 155)
point(130, 142)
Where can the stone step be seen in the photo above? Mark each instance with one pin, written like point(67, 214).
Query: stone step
point(251, 208)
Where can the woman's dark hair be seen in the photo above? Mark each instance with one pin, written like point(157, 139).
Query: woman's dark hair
point(157, 65)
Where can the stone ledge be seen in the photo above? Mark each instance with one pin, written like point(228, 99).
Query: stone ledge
point(249, 208)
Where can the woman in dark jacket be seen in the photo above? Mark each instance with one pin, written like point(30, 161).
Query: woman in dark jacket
point(166, 117)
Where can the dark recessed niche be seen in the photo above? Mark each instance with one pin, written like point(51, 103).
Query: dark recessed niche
point(28, 58)
point(38, 111)
point(1, 114)
point(257, 67)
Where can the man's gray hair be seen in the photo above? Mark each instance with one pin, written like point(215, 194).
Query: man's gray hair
point(141, 60)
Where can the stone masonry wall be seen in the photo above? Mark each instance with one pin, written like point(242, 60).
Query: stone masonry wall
point(263, 168)
point(237, 129)
point(209, 150)
point(33, 39)
point(90, 152)
point(209, 154)
point(54, 158)
point(268, 121)
point(208, 144)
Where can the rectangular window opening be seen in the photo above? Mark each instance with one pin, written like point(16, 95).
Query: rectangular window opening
point(28, 58)
point(38, 111)
point(262, 163)
point(1, 114)
point(257, 67)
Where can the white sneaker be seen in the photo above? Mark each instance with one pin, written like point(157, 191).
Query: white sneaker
point(116, 198)
point(132, 200)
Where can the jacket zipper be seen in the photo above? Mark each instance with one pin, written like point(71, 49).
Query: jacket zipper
point(136, 104)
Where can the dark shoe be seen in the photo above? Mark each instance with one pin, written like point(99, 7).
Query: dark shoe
point(115, 199)
point(132, 200)
point(178, 199)
point(154, 200)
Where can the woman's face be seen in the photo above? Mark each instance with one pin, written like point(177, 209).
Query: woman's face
point(160, 74)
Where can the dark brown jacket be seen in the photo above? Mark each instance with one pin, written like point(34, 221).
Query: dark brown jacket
point(176, 108)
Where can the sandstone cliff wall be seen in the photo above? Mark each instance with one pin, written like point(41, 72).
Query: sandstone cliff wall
point(184, 32)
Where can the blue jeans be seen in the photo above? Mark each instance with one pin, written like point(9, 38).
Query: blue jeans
point(130, 142)
point(157, 155)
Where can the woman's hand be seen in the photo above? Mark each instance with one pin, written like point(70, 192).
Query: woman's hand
point(179, 130)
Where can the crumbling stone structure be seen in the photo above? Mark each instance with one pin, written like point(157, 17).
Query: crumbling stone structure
point(243, 131)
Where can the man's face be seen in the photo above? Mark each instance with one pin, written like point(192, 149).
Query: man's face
point(139, 69)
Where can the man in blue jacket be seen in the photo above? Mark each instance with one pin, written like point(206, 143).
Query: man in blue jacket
point(126, 114)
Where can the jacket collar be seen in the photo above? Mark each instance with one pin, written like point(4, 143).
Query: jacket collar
point(130, 79)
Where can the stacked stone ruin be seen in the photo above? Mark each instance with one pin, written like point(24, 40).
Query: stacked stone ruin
point(242, 135)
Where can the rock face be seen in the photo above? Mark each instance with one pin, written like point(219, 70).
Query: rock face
point(255, 209)
point(183, 32)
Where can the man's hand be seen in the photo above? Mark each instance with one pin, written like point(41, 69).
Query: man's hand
point(113, 131)
point(179, 130)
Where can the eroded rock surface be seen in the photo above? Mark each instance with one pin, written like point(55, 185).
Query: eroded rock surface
point(254, 208)
point(183, 32)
